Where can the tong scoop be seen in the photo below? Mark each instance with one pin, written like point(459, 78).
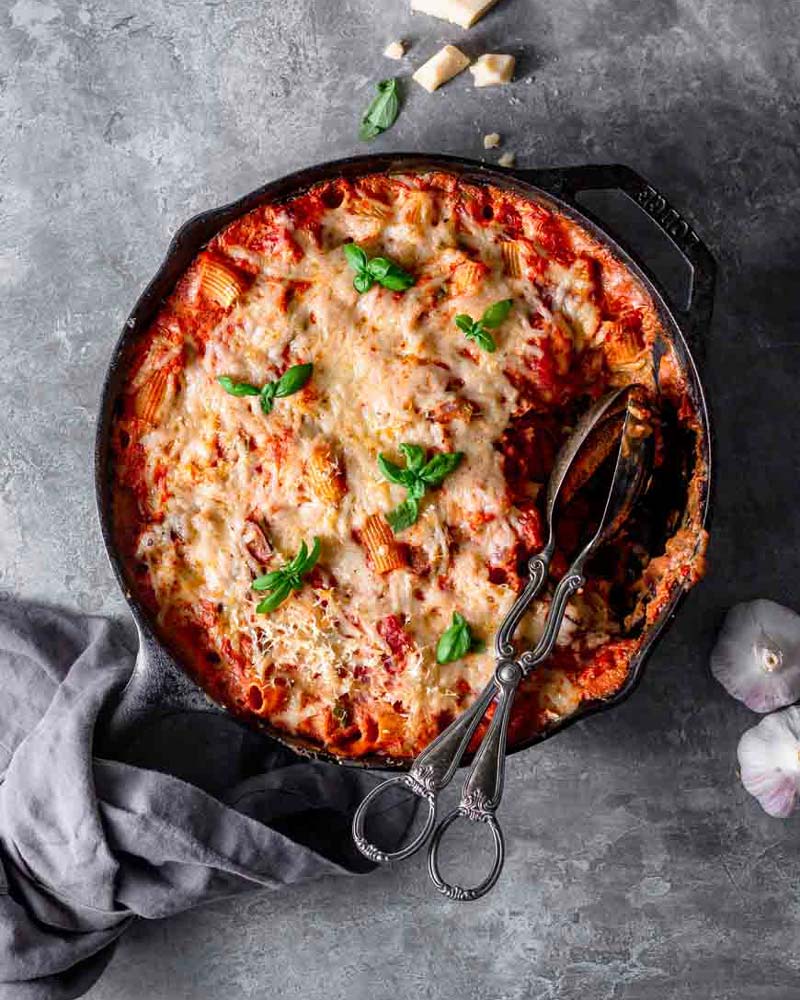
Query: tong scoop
point(621, 416)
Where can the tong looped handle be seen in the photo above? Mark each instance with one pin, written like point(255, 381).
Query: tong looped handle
point(368, 849)
point(459, 892)
point(483, 788)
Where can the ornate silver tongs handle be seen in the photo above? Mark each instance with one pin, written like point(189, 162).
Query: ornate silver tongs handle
point(483, 787)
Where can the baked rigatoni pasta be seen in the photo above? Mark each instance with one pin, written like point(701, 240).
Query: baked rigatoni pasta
point(217, 488)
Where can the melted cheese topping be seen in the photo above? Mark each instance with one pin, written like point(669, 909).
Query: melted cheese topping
point(224, 493)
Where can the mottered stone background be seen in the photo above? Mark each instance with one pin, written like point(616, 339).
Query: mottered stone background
point(638, 868)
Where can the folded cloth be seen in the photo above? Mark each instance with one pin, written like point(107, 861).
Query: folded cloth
point(195, 809)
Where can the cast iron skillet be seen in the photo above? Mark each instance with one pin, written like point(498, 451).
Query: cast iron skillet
point(159, 684)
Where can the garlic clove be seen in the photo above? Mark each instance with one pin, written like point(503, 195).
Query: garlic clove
point(757, 655)
point(769, 760)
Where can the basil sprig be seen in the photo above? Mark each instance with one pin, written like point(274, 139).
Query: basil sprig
point(340, 713)
point(292, 381)
point(417, 477)
point(379, 269)
point(281, 582)
point(457, 641)
point(479, 330)
point(382, 112)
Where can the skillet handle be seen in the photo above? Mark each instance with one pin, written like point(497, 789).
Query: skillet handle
point(567, 182)
point(157, 687)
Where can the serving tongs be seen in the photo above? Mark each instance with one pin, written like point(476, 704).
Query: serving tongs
point(622, 416)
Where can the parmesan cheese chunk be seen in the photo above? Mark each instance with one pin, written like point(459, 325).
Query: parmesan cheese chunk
point(461, 12)
point(491, 141)
point(395, 50)
point(508, 159)
point(447, 63)
point(492, 69)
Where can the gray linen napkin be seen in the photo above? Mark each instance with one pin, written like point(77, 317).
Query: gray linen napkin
point(195, 809)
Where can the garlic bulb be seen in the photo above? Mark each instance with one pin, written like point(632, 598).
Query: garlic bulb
point(757, 655)
point(769, 759)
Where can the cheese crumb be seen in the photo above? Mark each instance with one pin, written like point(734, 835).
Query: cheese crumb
point(395, 50)
point(508, 159)
point(491, 141)
point(492, 69)
point(461, 12)
point(447, 63)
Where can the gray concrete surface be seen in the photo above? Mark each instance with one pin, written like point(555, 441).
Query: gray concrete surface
point(638, 867)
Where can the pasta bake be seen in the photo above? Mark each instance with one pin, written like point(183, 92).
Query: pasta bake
point(330, 455)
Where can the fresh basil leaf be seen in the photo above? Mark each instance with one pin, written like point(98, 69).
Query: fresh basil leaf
point(367, 130)
point(281, 582)
point(269, 581)
point(439, 467)
point(455, 642)
point(382, 112)
point(392, 472)
point(304, 560)
point(398, 281)
point(404, 516)
point(293, 380)
point(496, 314)
point(390, 275)
point(356, 257)
point(363, 281)
point(237, 388)
point(312, 558)
point(415, 487)
point(416, 477)
point(267, 397)
point(465, 323)
point(340, 713)
point(379, 267)
point(275, 599)
point(483, 339)
point(476, 332)
point(414, 455)
point(299, 559)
